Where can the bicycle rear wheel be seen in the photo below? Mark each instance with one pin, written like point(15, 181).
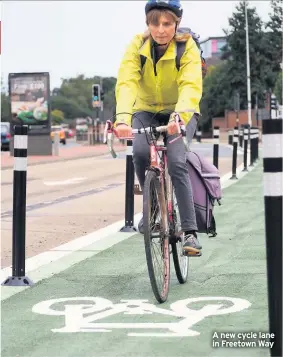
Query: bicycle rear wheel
point(156, 237)
point(181, 261)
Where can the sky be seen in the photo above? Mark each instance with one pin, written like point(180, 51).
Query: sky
point(68, 38)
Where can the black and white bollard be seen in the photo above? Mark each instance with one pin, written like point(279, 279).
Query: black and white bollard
point(256, 144)
point(241, 134)
point(246, 140)
point(273, 107)
point(230, 137)
point(235, 149)
point(18, 277)
point(273, 191)
point(198, 135)
point(129, 197)
point(216, 146)
point(252, 145)
point(255, 135)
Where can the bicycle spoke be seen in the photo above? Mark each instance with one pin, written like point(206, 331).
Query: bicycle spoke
point(180, 260)
point(157, 252)
point(162, 268)
point(155, 240)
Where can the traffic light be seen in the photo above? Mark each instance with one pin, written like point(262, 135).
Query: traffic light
point(96, 95)
point(273, 102)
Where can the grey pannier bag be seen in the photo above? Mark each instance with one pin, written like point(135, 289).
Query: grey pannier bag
point(206, 186)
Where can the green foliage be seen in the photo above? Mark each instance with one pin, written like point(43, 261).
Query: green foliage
point(235, 52)
point(57, 117)
point(74, 97)
point(230, 77)
point(5, 104)
point(278, 88)
point(273, 42)
point(5, 107)
point(214, 99)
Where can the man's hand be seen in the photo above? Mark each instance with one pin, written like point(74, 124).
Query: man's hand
point(124, 131)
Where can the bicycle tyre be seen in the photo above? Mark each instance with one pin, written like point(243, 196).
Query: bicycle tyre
point(160, 290)
point(181, 261)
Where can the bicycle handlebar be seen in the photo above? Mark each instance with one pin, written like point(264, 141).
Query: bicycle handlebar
point(109, 132)
point(158, 129)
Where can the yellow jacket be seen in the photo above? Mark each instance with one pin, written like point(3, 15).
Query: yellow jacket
point(171, 89)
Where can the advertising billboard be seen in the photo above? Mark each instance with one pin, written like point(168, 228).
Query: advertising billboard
point(30, 100)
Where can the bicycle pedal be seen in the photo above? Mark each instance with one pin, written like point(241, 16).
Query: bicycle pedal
point(137, 190)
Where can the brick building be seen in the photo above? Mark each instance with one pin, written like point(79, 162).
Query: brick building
point(230, 119)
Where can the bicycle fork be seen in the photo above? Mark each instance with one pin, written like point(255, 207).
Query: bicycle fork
point(166, 197)
point(163, 177)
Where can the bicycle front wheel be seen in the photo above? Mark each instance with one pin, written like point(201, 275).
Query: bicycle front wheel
point(156, 238)
point(181, 261)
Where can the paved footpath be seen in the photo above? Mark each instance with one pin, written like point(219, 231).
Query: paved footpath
point(107, 307)
point(69, 153)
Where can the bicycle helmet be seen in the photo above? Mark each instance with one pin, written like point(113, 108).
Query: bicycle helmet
point(172, 5)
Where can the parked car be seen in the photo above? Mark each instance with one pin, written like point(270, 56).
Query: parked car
point(5, 137)
point(61, 131)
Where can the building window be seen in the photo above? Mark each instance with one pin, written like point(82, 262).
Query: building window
point(220, 44)
point(216, 46)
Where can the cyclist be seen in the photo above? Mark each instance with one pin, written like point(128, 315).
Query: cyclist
point(156, 86)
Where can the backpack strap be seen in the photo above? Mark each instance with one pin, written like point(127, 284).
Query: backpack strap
point(180, 51)
point(143, 60)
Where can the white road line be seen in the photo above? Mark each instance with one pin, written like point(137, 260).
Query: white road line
point(65, 182)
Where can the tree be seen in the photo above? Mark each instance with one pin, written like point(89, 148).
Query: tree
point(278, 88)
point(214, 99)
point(5, 104)
point(235, 54)
point(57, 117)
point(74, 98)
point(70, 107)
point(273, 42)
point(5, 107)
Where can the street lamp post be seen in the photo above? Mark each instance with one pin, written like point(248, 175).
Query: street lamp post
point(248, 67)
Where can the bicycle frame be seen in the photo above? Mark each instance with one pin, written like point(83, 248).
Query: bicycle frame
point(161, 165)
point(156, 164)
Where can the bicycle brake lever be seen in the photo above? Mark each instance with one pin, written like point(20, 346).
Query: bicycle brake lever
point(110, 140)
point(107, 129)
point(109, 137)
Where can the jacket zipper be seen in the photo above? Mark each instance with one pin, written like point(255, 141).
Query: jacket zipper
point(155, 73)
point(154, 60)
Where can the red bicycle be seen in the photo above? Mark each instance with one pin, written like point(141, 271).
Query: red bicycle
point(161, 218)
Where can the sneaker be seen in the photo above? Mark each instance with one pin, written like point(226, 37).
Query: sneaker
point(192, 246)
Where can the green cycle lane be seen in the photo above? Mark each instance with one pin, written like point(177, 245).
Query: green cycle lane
point(104, 306)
